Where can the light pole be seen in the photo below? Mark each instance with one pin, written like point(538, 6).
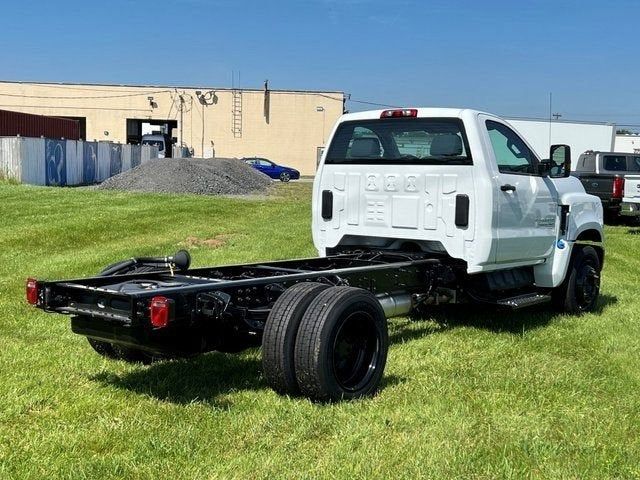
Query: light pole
point(205, 99)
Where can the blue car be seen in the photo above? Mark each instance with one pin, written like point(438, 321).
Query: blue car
point(275, 171)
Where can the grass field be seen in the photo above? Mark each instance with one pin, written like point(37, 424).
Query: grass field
point(479, 395)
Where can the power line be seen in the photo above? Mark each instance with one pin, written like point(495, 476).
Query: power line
point(373, 103)
point(47, 97)
point(77, 108)
point(89, 87)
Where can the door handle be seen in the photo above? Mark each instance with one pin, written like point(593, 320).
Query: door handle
point(508, 188)
point(327, 204)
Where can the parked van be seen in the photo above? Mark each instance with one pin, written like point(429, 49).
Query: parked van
point(160, 141)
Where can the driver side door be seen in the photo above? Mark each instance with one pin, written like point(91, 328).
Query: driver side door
point(266, 167)
point(526, 206)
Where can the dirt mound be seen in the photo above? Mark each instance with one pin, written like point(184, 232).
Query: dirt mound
point(212, 176)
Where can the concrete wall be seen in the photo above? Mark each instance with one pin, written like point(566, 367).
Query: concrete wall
point(579, 136)
point(296, 127)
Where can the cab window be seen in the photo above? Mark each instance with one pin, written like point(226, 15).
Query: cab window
point(615, 163)
point(512, 154)
point(364, 143)
point(408, 141)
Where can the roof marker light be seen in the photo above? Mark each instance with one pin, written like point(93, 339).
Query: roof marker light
point(402, 112)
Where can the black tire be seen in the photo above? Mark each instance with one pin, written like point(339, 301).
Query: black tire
point(285, 177)
point(341, 346)
point(279, 336)
point(104, 349)
point(131, 355)
point(579, 292)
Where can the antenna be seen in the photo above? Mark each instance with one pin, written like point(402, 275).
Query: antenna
point(550, 110)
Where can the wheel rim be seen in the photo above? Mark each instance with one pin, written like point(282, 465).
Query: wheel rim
point(587, 286)
point(285, 177)
point(355, 351)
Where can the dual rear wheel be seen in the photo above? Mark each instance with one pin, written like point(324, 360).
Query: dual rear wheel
point(326, 343)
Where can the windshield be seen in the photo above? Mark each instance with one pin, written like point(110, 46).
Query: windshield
point(400, 140)
point(154, 143)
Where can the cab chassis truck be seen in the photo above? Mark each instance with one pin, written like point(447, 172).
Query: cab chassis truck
point(412, 208)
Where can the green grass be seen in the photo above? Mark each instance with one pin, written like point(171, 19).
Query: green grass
point(470, 394)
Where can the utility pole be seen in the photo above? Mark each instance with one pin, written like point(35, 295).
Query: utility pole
point(550, 113)
point(181, 120)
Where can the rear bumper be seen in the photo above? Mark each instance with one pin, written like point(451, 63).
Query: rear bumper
point(630, 209)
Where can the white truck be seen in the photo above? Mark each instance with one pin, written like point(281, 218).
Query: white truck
point(630, 206)
point(411, 208)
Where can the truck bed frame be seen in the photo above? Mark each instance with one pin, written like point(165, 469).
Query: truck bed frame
point(225, 308)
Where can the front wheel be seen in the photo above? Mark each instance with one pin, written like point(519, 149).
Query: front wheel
point(341, 346)
point(285, 177)
point(581, 288)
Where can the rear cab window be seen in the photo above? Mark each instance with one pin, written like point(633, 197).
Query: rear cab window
point(412, 141)
point(615, 163)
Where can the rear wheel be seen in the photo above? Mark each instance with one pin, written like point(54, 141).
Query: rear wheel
point(341, 346)
point(285, 177)
point(279, 337)
point(581, 288)
point(104, 349)
point(132, 355)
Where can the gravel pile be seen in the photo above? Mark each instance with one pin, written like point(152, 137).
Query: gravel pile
point(217, 176)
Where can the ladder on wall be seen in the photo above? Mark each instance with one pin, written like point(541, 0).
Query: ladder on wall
point(236, 112)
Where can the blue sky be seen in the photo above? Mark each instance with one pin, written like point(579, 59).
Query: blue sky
point(500, 56)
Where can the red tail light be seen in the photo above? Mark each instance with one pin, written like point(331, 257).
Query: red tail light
point(618, 187)
point(160, 311)
point(403, 112)
point(32, 291)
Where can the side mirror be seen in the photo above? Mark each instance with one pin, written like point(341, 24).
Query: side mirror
point(544, 167)
point(560, 156)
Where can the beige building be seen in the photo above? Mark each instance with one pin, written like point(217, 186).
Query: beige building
point(288, 127)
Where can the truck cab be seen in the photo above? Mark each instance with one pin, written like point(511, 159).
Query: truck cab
point(457, 183)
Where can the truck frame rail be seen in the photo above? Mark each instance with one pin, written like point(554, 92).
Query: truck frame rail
point(206, 307)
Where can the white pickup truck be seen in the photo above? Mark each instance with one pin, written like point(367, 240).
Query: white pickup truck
point(411, 208)
point(458, 184)
point(630, 206)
